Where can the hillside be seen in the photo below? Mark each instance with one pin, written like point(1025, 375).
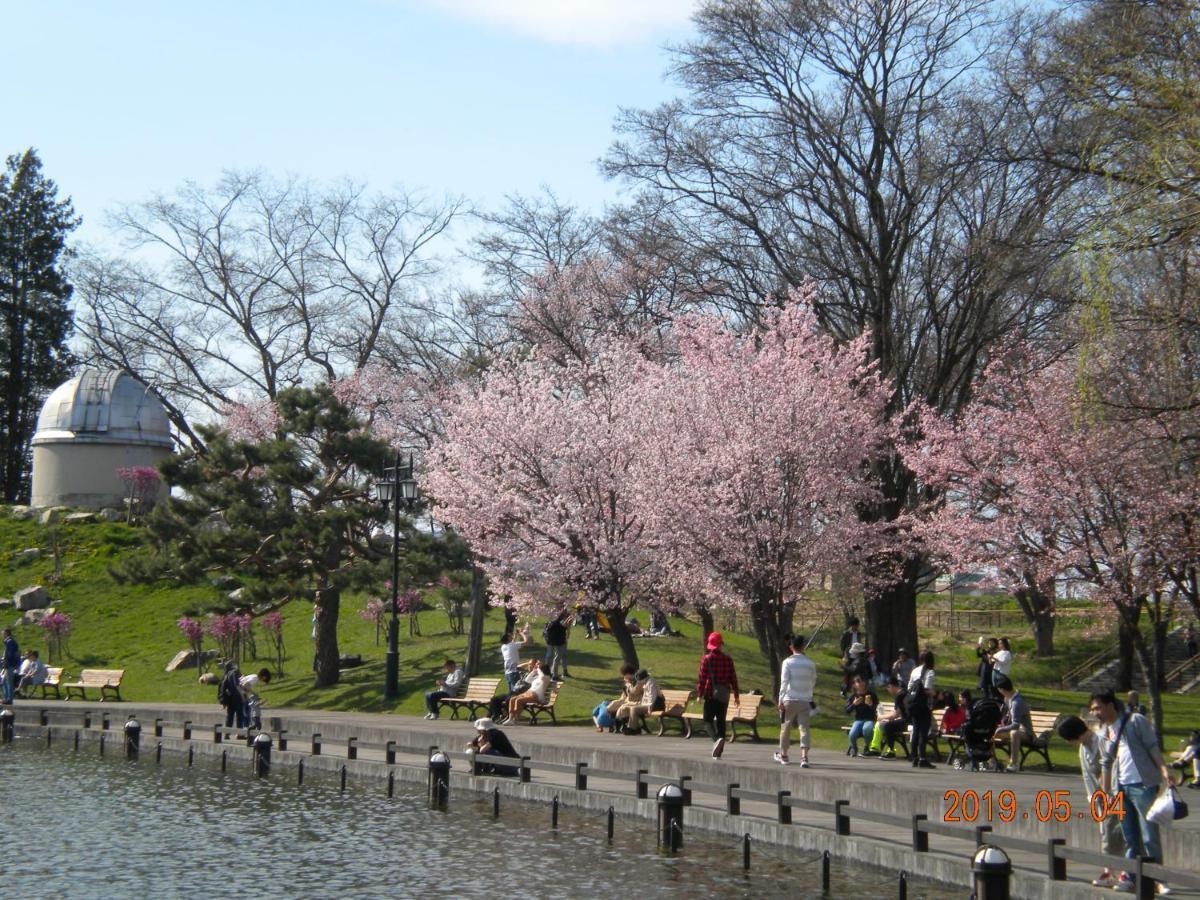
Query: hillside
point(133, 627)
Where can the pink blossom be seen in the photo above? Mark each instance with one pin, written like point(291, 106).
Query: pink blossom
point(192, 629)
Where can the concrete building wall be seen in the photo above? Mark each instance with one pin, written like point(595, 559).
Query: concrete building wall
point(83, 474)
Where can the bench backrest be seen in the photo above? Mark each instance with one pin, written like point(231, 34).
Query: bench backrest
point(747, 707)
point(479, 689)
point(1043, 721)
point(675, 702)
point(101, 677)
point(883, 710)
point(53, 675)
point(552, 693)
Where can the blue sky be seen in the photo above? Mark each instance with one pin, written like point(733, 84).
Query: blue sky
point(473, 97)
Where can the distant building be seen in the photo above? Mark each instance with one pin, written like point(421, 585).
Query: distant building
point(95, 424)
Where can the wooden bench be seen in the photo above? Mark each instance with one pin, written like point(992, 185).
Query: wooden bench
point(54, 676)
point(744, 712)
point(1043, 722)
point(675, 704)
point(885, 708)
point(103, 680)
point(537, 709)
point(478, 695)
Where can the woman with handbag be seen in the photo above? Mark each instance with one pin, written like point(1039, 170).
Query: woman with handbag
point(716, 683)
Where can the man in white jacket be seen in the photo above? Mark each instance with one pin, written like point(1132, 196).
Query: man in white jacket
point(797, 679)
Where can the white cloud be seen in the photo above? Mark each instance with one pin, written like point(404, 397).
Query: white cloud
point(590, 22)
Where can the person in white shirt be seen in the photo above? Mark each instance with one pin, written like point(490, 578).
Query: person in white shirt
point(446, 687)
point(797, 680)
point(31, 673)
point(510, 652)
point(1002, 661)
point(539, 685)
point(251, 701)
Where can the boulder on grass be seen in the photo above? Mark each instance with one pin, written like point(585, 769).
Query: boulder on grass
point(52, 514)
point(186, 659)
point(108, 514)
point(29, 554)
point(80, 517)
point(22, 512)
point(35, 597)
point(36, 615)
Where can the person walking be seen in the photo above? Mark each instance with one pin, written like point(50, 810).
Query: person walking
point(1074, 730)
point(229, 695)
point(555, 634)
point(716, 683)
point(1133, 767)
point(11, 661)
point(797, 680)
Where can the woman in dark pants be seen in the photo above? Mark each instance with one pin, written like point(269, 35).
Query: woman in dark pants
point(922, 689)
point(716, 683)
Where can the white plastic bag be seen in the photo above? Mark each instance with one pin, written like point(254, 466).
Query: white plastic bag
point(1162, 811)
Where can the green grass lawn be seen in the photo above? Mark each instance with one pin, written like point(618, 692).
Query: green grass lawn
point(133, 627)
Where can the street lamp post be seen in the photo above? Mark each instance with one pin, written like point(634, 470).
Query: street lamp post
point(397, 485)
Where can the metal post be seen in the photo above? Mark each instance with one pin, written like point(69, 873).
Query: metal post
point(610, 824)
point(920, 839)
point(687, 791)
point(352, 748)
point(746, 852)
point(391, 788)
point(133, 738)
point(733, 804)
point(992, 871)
point(581, 776)
point(104, 722)
point(187, 730)
point(343, 786)
point(496, 803)
point(1144, 884)
point(391, 688)
point(44, 718)
point(554, 813)
point(262, 755)
point(785, 811)
point(670, 817)
point(76, 740)
point(902, 887)
point(158, 753)
point(102, 743)
point(158, 728)
point(316, 744)
point(1057, 867)
point(389, 753)
point(825, 872)
point(300, 772)
point(525, 773)
point(87, 718)
point(49, 736)
point(218, 734)
point(439, 780)
point(6, 726)
point(282, 740)
point(191, 754)
point(841, 821)
point(642, 792)
point(224, 760)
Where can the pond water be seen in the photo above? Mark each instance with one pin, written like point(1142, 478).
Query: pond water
point(82, 825)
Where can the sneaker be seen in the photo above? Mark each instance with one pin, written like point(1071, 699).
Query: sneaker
point(1012, 770)
point(1106, 879)
point(888, 754)
point(1161, 889)
point(718, 748)
point(870, 752)
point(780, 758)
point(804, 763)
point(854, 751)
point(925, 764)
point(1124, 884)
point(429, 716)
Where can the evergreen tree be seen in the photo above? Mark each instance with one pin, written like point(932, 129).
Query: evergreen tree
point(34, 298)
point(285, 503)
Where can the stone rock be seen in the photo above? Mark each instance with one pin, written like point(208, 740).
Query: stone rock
point(35, 597)
point(6, 603)
point(80, 517)
point(186, 659)
point(36, 615)
point(209, 678)
point(52, 514)
point(108, 514)
point(22, 512)
point(225, 583)
point(27, 555)
point(237, 596)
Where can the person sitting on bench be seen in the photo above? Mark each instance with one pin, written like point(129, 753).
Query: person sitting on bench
point(1017, 725)
point(31, 674)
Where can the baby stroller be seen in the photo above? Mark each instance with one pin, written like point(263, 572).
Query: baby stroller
point(983, 717)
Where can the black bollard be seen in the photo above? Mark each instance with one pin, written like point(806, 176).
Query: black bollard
point(670, 817)
point(300, 772)
point(343, 779)
point(224, 759)
point(102, 743)
point(158, 728)
point(351, 748)
point(191, 754)
point(825, 872)
point(496, 803)
point(902, 887)
point(439, 780)
point(554, 813)
point(104, 722)
point(49, 736)
point(610, 824)
point(158, 753)
point(44, 718)
point(391, 788)
point(746, 852)
point(389, 753)
point(218, 734)
point(133, 738)
point(262, 755)
point(87, 718)
point(6, 726)
point(187, 730)
point(993, 871)
point(76, 740)
point(581, 776)
point(316, 744)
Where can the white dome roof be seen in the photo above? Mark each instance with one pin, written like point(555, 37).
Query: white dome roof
point(103, 407)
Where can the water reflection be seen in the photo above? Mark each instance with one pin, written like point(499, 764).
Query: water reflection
point(105, 827)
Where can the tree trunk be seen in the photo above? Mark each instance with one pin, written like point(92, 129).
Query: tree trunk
point(891, 614)
point(1037, 603)
point(620, 632)
point(1126, 631)
point(326, 658)
point(478, 613)
point(1146, 660)
point(772, 622)
point(706, 621)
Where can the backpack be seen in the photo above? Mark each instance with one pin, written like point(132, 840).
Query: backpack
point(227, 688)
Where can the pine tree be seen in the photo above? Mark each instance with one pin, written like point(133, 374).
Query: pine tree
point(36, 318)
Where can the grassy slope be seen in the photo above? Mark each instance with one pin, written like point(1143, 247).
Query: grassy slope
point(132, 627)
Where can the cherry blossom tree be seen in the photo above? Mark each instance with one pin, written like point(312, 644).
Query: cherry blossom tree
point(1042, 480)
point(536, 469)
point(756, 464)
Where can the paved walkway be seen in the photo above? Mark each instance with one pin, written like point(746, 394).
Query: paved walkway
point(890, 787)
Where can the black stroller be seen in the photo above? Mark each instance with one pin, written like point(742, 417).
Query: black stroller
point(983, 717)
